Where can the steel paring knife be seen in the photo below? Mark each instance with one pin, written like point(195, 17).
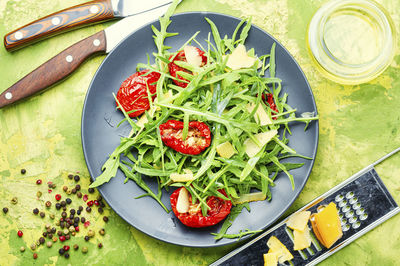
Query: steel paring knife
point(76, 16)
point(63, 64)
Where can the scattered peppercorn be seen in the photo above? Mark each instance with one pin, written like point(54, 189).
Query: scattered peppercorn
point(80, 208)
point(48, 204)
point(68, 200)
point(96, 202)
point(63, 203)
point(33, 246)
point(61, 251)
point(42, 214)
point(77, 228)
point(88, 209)
point(42, 240)
point(78, 187)
point(47, 226)
point(72, 228)
point(52, 216)
point(66, 255)
point(49, 244)
point(105, 219)
point(69, 192)
point(67, 237)
point(71, 216)
point(58, 197)
point(73, 191)
point(19, 233)
point(99, 198)
point(66, 248)
point(91, 233)
point(100, 210)
point(87, 238)
point(102, 231)
point(64, 214)
point(14, 200)
point(65, 188)
point(85, 197)
point(79, 194)
point(53, 230)
point(84, 250)
point(38, 194)
point(5, 210)
point(44, 234)
point(35, 211)
point(54, 239)
point(35, 255)
point(62, 238)
point(23, 171)
point(100, 245)
point(102, 204)
point(39, 181)
point(73, 233)
point(83, 219)
point(70, 176)
point(22, 249)
point(50, 236)
point(66, 231)
point(76, 247)
point(58, 206)
point(64, 208)
point(59, 233)
point(91, 190)
point(78, 212)
point(77, 178)
point(90, 203)
point(76, 220)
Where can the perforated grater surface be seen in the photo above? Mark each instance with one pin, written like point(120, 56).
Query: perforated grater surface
point(363, 202)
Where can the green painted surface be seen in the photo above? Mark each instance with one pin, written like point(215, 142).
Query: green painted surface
point(358, 125)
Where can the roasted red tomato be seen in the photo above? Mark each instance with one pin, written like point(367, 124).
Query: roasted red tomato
point(173, 68)
point(197, 140)
point(194, 218)
point(133, 92)
point(269, 99)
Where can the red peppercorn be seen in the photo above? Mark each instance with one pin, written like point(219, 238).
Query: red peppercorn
point(39, 181)
point(85, 197)
point(20, 234)
point(66, 248)
point(90, 203)
point(49, 190)
point(76, 228)
point(62, 238)
point(86, 224)
point(35, 255)
point(58, 197)
point(96, 203)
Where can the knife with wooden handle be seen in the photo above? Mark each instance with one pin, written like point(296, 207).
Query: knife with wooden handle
point(63, 64)
point(77, 16)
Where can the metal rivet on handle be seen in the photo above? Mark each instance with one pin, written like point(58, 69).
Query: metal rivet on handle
point(8, 95)
point(94, 9)
point(69, 58)
point(19, 35)
point(96, 42)
point(55, 21)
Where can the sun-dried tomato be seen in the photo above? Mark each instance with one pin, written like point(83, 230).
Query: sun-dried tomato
point(197, 140)
point(269, 99)
point(132, 94)
point(219, 209)
point(173, 68)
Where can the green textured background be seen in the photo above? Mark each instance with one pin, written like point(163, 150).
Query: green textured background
point(358, 125)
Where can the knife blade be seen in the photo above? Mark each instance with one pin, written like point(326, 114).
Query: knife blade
point(77, 16)
point(63, 64)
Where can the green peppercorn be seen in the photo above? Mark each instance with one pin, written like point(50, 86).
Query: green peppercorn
point(58, 223)
point(102, 231)
point(52, 216)
point(54, 239)
point(84, 250)
point(91, 233)
point(14, 200)
point(38, 194)
point(22, 249)
point(76, 247)
point(49, 244)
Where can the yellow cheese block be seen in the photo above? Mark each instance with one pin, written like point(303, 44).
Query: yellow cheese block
point(326, 225)
point(299, 220)
point(270, 259)
point(276, 246)
point(301, 239)
point(225, 150)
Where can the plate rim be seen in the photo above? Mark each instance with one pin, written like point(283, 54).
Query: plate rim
point(217, 243)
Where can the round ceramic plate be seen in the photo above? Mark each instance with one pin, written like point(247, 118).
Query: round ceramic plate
point(100, 135)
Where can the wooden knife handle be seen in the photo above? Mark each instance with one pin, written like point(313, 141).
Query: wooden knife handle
point(55, 69)
point(90, 12)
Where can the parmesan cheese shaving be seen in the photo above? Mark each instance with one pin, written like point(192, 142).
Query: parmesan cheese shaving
point(239, 58)
point(192, 56)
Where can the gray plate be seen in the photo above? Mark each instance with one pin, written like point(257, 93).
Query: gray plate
point(100, 135)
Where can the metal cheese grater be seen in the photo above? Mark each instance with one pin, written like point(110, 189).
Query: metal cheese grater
point(363, 202)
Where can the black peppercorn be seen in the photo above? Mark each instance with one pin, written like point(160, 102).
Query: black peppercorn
point(76, 220)
point(87, 238)
point(64, 208)
point(62, 224)
point(100, 245)
point(102, 204)
point(70, 176)
point(23, 171)
point(66, 255)
point(50, 235)
point(105, 219)
point(36, 211)
point(76, 224)
point(45, 234)
point(68, 200)
point(100, 210)
point(91, 190)
point(83, 219)
point(88, 209)
point(48, 204)
point(53, 230)
point(79, 194)
point(80, 208)
point(78, 212)
point(63, 203)
point(72, 211)
point(64, 214)
point(59, 233)
point(78, 187)
point(5, 210)
point(61, 251)
point(42, 240)
point(42, 214)
point(58, 206)
point(76, 247)
point(99, 198)
point(67, 237)
point(77, 178)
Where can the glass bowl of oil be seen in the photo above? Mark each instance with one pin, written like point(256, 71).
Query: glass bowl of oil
point(351, 41)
